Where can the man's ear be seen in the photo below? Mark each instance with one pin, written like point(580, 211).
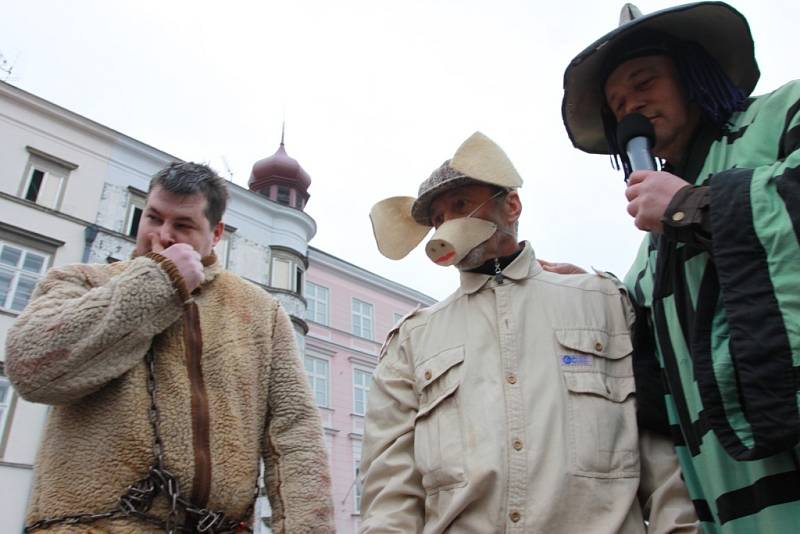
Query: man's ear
point(219, 229)
point(513, 207)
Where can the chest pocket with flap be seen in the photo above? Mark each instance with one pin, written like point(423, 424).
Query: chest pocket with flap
point(438, 435)
point(598, 375)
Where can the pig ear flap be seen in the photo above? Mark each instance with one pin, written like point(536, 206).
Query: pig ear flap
point(396, 232)
point(483, 160)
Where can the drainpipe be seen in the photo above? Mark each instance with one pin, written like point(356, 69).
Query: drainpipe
point(89, 235)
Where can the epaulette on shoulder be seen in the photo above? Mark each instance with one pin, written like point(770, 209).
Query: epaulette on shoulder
point(627, 304)
point(395, 329)
point(613, 278)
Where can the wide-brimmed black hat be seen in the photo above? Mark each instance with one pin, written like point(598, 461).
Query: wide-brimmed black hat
point(721, 30)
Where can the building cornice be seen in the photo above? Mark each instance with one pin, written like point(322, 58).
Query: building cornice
point(362, 275)
point(370, 363)
point(49, 211)
point(343, 348)
point(301, 323)
point(84, 124)
point(262, 203)
point(320, 350)
point(293, 252)
point(27, 234)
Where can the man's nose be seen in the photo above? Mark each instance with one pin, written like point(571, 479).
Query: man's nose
point(447, 215)
point(633, 105)
point(166, 236)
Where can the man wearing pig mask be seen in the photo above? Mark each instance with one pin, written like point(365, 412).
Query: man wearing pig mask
point(509, 406)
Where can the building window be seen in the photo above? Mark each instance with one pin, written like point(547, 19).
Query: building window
point(5, 404)
point(361, 382)
point(286, 273)
point(136, 203)
point(44, 188)
point(281, 273)
point(45, 178)
point(357, 486)
point(362, 319)
point(283, 195)
point(20, 270)
point(398, 317)
point(317, 301)
point(298, 279)
point(328, 446)
point(357, 477)
point(317, 372)
point(221, 249)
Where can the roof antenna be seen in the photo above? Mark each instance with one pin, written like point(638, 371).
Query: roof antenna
point(228, 170)
point(283, 124)
point(6, 68)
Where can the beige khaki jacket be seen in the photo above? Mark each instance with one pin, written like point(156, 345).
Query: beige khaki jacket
point(230, 390)
point(509, 407)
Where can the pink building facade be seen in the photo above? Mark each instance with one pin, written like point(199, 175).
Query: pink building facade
point(349, 312)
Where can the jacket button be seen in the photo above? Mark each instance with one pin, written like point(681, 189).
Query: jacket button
point(512, 379)
point(598, 346)
point(428, 374)
point(517, 444)
point(515, 516)
point(678, 216)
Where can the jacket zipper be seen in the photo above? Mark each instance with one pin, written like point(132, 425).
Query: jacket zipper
point(193, 342)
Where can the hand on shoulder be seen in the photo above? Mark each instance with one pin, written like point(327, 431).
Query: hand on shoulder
point(560, 268)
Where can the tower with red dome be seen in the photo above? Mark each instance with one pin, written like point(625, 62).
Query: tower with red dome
point(281, 179)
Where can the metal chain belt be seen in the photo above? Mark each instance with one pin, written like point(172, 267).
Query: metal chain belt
point(138, 498)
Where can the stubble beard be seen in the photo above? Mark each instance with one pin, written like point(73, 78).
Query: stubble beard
point(473, 259)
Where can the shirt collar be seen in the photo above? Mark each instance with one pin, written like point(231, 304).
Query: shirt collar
point(524, 266)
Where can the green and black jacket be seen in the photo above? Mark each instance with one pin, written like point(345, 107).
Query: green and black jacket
point(724, 319)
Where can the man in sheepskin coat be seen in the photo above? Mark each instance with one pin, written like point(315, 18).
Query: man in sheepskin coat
point(170, 378)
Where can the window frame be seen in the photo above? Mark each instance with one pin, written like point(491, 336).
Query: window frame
point(223, 248)
point(279, 191)
point(137, 200)
point(362, 304)
point(18, 270)
point(313, 377)
point(316, 301)
point(51, 167)
point(37, 243)
point(8, 405)
point(363, 388)
point(357, 489)
point(296, 273)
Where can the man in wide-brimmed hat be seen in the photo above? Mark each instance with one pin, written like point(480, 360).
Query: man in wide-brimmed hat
point(509, 406)
point(716, 278)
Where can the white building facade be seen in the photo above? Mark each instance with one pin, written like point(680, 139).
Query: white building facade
point(73, 190)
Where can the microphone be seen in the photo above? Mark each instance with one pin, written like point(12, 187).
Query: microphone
point(635, 134)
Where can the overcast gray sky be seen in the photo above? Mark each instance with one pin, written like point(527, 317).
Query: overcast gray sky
point(376, 95)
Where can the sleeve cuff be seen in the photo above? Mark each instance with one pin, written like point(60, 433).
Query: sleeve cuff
point(174, 275)
point(686, 218)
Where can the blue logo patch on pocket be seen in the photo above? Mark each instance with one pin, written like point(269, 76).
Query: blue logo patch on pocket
point(576, 359)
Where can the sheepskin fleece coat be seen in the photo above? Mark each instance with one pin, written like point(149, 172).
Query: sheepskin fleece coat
point(80, 346)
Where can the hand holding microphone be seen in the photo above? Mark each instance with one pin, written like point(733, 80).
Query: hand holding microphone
point(649, 192)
